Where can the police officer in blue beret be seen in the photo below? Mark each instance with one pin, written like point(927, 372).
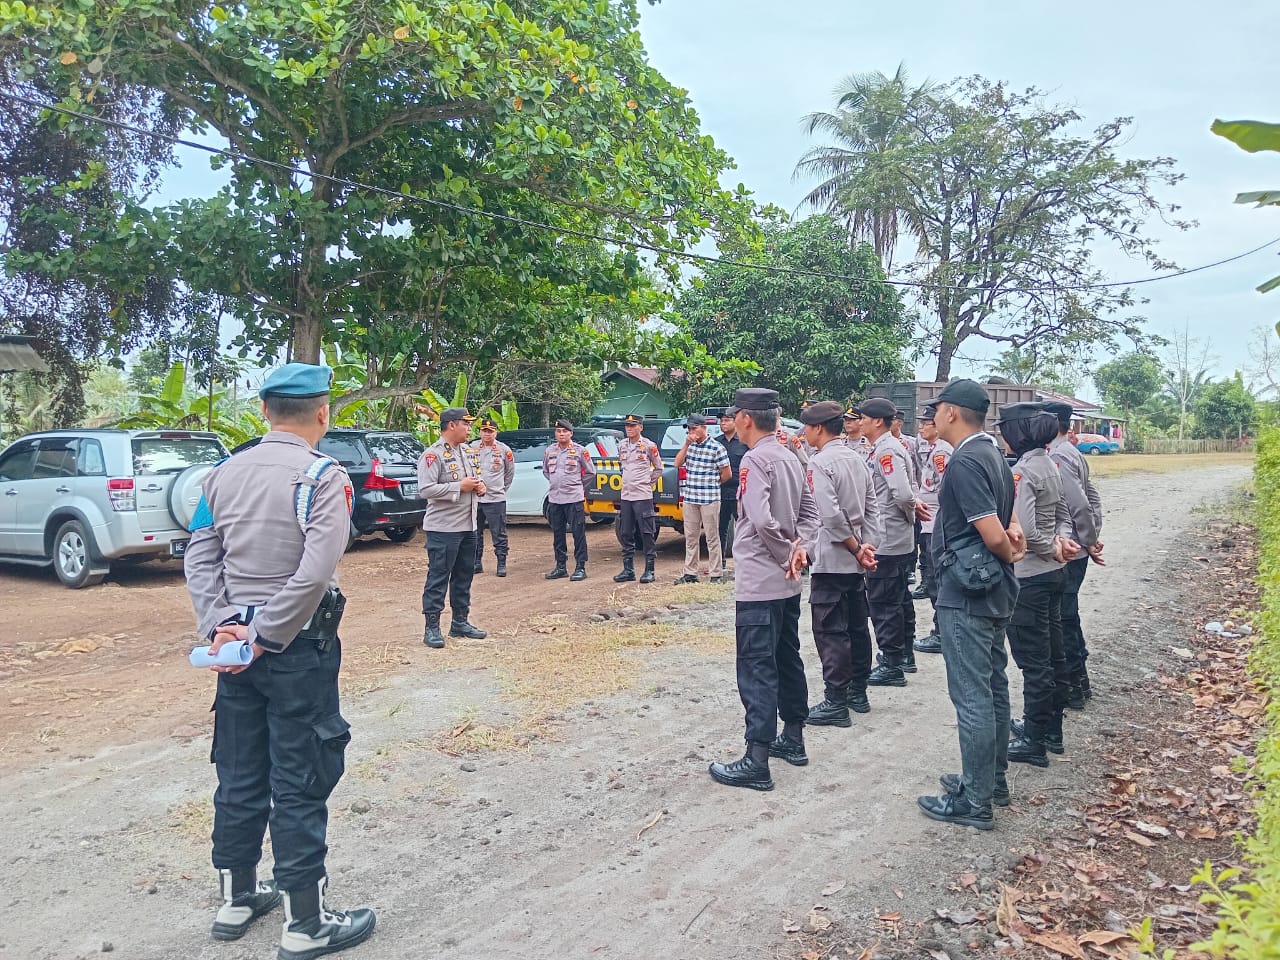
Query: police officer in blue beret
point(262, 568)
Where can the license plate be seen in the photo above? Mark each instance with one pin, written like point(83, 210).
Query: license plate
point(178, 548)
point(409, 489)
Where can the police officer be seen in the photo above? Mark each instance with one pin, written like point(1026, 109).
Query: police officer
point(892, 610)
point(777, 523)
point(736, 449)
point(844, 549)
point(449, 480)
point(853, 437)
point(567, 467)
point(1042, 512)
point(261, 568)
point(932, 470)
point(497, 469)
point(1085, 506)
point(637, 525)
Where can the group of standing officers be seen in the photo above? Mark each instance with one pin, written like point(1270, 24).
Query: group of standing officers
point(1004, 552)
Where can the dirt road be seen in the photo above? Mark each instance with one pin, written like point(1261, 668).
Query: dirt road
point(540, 794)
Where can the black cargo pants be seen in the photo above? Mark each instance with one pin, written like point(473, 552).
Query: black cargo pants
point(451, 566)
point(278, 745)
point(1073, 644)
point(637, 529)
point(1031, 643)
point(573, 516)
point(838, 603)
point(892, 609)
point(771, 680)
point(492, 516)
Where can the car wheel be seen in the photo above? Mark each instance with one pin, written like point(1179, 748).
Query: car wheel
point(1094, 451)
point(73, 556)
point(400, 534)
point(601, 519)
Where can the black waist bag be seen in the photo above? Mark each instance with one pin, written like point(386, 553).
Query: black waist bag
point(976, 570)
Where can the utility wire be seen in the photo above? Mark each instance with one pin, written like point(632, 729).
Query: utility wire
point(587, 235)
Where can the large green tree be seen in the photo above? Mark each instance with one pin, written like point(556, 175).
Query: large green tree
point(1225, 409)
point(482, 118)
point(812, 337)
point(1007, 200)
point(1130, 380)
point(1254, 136)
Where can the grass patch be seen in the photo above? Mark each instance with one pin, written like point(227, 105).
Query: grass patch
point(193, 820)
point(647, 596)
point(1120, 464)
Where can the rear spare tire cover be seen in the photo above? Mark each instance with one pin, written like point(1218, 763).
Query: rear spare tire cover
point(185, 493)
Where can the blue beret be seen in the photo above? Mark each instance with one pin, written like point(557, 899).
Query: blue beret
point(297, 380)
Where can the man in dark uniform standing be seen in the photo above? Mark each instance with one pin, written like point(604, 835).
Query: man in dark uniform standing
point(261, 568)
point(777, 524)
point(449, 480)
point(637, 526)
point(736, 449)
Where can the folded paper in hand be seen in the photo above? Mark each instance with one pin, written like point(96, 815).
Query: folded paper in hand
point(237, 653)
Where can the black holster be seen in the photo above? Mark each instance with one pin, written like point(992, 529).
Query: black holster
point(323, 625)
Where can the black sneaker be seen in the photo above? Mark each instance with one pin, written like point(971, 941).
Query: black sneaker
point(788, 749)
point(956, 808)
point(559, 573)
point(858, 701)
point(920, 593)
point(460, 628)
point(687, 578)
point(829, 713)
point(502, 569)
point(930, 644)
point(579, 574)
point(742, 773)
point(1027, 750)
point(951, 783)
point(884, 675)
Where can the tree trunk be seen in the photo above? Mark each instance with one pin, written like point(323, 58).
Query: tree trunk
point(307, 337)
point(945, 352)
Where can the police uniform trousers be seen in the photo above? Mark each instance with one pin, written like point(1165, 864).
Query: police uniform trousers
point(573, 516)
point(492, 516)
point(1031, 643)
point(1073, 644)
point(637, 529)
point(771, 678)
point(278, 746)
point(451, 566)
point(929, 575)
point(1057, 654)
point(890, 602)
point(728, 521)
point(838, 603)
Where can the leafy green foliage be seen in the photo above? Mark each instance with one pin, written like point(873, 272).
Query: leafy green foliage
point(172, 406)
point(1248, 902)
point(1254, 136)
point(1225, 410)
point(812, 338)
point(1130, 380)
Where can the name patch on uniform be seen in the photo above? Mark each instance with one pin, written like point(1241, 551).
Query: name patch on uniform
point(886, 464)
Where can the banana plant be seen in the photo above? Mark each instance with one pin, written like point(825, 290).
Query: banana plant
point(1253, 136)
point(173, 408)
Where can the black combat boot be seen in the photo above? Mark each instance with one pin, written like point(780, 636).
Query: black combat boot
point(244, 899)
point(479, 567)
point(886, 674)
point(311, 931)
point(1028, 747)
point(459, 627)
point(789, 749)
point(909, 661)
point(628, 572)
point(1000, 796)
point(1050, 737)
point(830, 713)
point(559, 573)
point(502, 567)
point(1083, 680)
point(920, 593)
point(647, 576)
point(930, 644)
point(579, 573)
point(858, 701)
point(432, 636)
point(752, 771)
point(1075, 696)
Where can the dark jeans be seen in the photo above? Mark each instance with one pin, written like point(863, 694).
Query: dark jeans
point(728, 522)
point(1031, 643)
point(1057, 656)
point(494, 517)
point(889, 601)
point(451, 565)
point(278, 744)
point(838, 603)
point(771, 679)
point(573, 516)
point(637, 529)
point(928, 575)
point(1073, 645)
point(973, 649)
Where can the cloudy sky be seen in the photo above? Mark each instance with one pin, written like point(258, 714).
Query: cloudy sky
point(754, 68)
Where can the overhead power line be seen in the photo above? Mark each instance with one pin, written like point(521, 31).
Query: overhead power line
point(587, 235)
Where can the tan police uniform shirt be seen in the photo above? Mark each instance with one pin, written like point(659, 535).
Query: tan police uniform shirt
point(1083, 502)
point(841, 486)
point(258, 552)
point(1041, 510)
point(497, 465)
point(776, 513)
point(567, 470)
point(892, 479)
point(641, 468)
point(441, 470)
point(933, 468)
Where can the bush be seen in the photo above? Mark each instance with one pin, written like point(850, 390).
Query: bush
point(1248, 900)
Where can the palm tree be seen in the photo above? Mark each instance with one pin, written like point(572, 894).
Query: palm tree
point(872, 118)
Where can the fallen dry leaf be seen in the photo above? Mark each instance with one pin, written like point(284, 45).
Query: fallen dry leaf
point(867, 952)
point(1057, 941)
point(1139, 839)
point(1204, 833)
point(811, 955)
point(831, 888)
point(1101, 937)
point(960, 917)
point(819, 921)
point(651, 824)
point(968, 879)
point(1151, 829)
point(889, 917)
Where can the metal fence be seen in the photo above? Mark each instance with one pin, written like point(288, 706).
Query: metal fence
point(1164, 445)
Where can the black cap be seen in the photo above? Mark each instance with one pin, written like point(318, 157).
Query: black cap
point(728, 413)
point(633, 418)
point(852, 413)
point(1010, 412)
point(824, 411)
point(563, 424)
point(759, 399)
point(452, 414)
point(928, 413)
point(488, 423)
point(695, 420)
point(878, 408)
point(899, 414)
point(1060, 409)
point(964, 393)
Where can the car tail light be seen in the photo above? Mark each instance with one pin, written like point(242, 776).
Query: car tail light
point(120, 493)
point(376, 481)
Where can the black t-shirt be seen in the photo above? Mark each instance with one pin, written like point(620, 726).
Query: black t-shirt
point(977, 484)
point(735, 448)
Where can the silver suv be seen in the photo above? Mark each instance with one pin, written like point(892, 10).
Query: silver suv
point(80, 499)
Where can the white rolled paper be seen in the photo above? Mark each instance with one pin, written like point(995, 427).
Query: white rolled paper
point(237, 653)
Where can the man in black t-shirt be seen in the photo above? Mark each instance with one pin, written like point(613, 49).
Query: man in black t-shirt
point(975, 523)
point(733, 446)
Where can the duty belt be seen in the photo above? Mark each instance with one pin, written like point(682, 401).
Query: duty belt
point(322, 626)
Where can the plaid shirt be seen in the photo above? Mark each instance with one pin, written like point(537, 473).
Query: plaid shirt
point(702, 463)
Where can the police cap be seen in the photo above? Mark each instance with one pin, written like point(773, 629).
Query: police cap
point(964, 393)
point(1060, 409)
point(299, 380)
point(633, 418)
point(877, 408)
point(563, 424)
point(929, 412)
point(758, 399)
point(852, 414)
point(695, 420)
point(453, 414)
point(824, 411)
point(1010, 412)
point(488, 423)
point(899, 414)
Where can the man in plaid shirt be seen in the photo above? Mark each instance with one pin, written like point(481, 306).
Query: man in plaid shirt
point(706, 466)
